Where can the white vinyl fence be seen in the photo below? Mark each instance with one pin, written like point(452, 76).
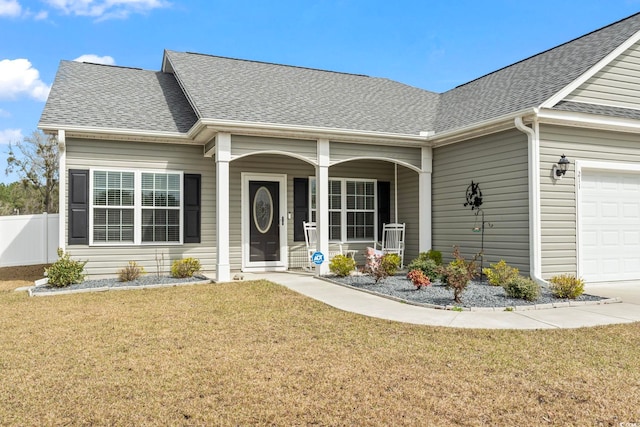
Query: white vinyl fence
point(28, 239)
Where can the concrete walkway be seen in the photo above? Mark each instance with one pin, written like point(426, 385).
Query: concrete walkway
point(366, 304)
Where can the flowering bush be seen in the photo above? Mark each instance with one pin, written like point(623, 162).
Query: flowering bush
point(185, 267)
point(381, 266)
point(458, 273)
point(566, 286)
point(418, 278)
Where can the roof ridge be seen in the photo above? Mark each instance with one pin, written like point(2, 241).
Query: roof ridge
point(275, 63)
point(546, 51)
point(109, 65)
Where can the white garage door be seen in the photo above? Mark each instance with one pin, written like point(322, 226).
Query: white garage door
point(609, 225)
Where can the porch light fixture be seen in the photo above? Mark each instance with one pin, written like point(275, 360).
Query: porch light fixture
point(561, 168)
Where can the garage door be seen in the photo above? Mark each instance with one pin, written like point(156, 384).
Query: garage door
point(609, 225)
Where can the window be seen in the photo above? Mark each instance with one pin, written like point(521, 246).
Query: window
point(160, 207)
point(113, 204)
point(134, 207)
point(352, 208)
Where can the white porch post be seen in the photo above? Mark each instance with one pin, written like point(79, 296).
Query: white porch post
point(223, 157)
point(322, 203)
point(62, 185)
point(424, 199)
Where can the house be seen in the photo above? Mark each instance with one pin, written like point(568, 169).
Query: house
point(223, 159)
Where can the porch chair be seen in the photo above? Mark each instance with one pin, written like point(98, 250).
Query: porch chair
point(393, 240)
point(311, 239)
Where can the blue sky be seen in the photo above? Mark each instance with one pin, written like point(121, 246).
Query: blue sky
point(431, 44)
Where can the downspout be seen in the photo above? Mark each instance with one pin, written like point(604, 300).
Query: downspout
point(535, 232)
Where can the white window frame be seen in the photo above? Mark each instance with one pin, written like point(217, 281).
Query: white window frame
point(344, 210)
point(137, 207)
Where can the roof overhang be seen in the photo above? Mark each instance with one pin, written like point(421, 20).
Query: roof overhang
point(589, 121)
point(88, 132)
point(205, 129)
point(487, 127)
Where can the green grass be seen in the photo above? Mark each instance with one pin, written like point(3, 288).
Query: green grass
point(256, 353)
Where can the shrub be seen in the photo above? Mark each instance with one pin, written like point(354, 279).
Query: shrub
point(458, 273)
point(342, 265)
point(131, 272)
point(436, 256)
point(418, 278)
point(382, 266)
point(566, 286)
point(425, 264)
point(499, 274)
point(522, 287)
point(65, 271)
point(185, 267)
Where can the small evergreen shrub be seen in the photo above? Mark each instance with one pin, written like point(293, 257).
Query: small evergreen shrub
point(65, 271)
point(566, 286)
point(382, 266)
point(458, 273)
point(499, 274)
point(418, 278)
point(185, 267)
point(425, 264)
point(342, 265)
point(131, 272)
point(522, 287)
point(436, 256)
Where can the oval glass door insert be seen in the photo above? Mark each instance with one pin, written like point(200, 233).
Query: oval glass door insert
point(262, 210)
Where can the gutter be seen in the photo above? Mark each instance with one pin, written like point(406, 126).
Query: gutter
point(535, 232)
point(304, 132)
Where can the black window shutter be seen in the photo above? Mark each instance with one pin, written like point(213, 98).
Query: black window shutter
point(78, 212)
point(384, 205)
point(191, 208)
point(300, 207)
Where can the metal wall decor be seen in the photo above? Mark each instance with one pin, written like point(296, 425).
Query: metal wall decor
point(474, 199)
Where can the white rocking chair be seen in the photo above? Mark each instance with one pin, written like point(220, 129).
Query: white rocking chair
point(393, 240)
point(311, 239)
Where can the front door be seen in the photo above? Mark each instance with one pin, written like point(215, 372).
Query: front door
point(264, 223)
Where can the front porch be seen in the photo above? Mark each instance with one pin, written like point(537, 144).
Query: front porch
point(269, 186)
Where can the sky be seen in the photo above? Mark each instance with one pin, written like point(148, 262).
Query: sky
point(431, 44)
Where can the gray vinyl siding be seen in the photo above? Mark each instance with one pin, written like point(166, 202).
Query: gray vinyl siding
point(617, 84)
point(341, 151)
point(558, 197)
point(498, 163)
point(408, 210)
point(106, 260)
point(245, 145)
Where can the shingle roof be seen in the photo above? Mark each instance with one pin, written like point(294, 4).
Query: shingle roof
point(530, 82)
point(232, 89)
point(116, 97)
point(582, 107)
point(240, 90)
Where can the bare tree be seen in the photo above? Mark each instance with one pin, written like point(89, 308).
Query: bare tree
point(35, 160)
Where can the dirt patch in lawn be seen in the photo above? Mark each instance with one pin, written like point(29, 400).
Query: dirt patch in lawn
point(15, 277)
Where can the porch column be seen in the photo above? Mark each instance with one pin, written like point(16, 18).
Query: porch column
point(322, 203)
point(424, 199)
point(223, 156)
point(62, 186)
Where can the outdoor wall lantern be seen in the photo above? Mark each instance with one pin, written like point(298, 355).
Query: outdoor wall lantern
point(561, 168)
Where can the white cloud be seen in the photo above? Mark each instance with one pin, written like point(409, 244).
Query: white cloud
point(18, 77)
point(10, 8)
point(106, 60)
point(106, 9)
point(10, 136)
point(4, 113)
point(43, 14)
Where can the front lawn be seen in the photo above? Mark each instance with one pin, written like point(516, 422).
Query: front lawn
point(256, 353)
